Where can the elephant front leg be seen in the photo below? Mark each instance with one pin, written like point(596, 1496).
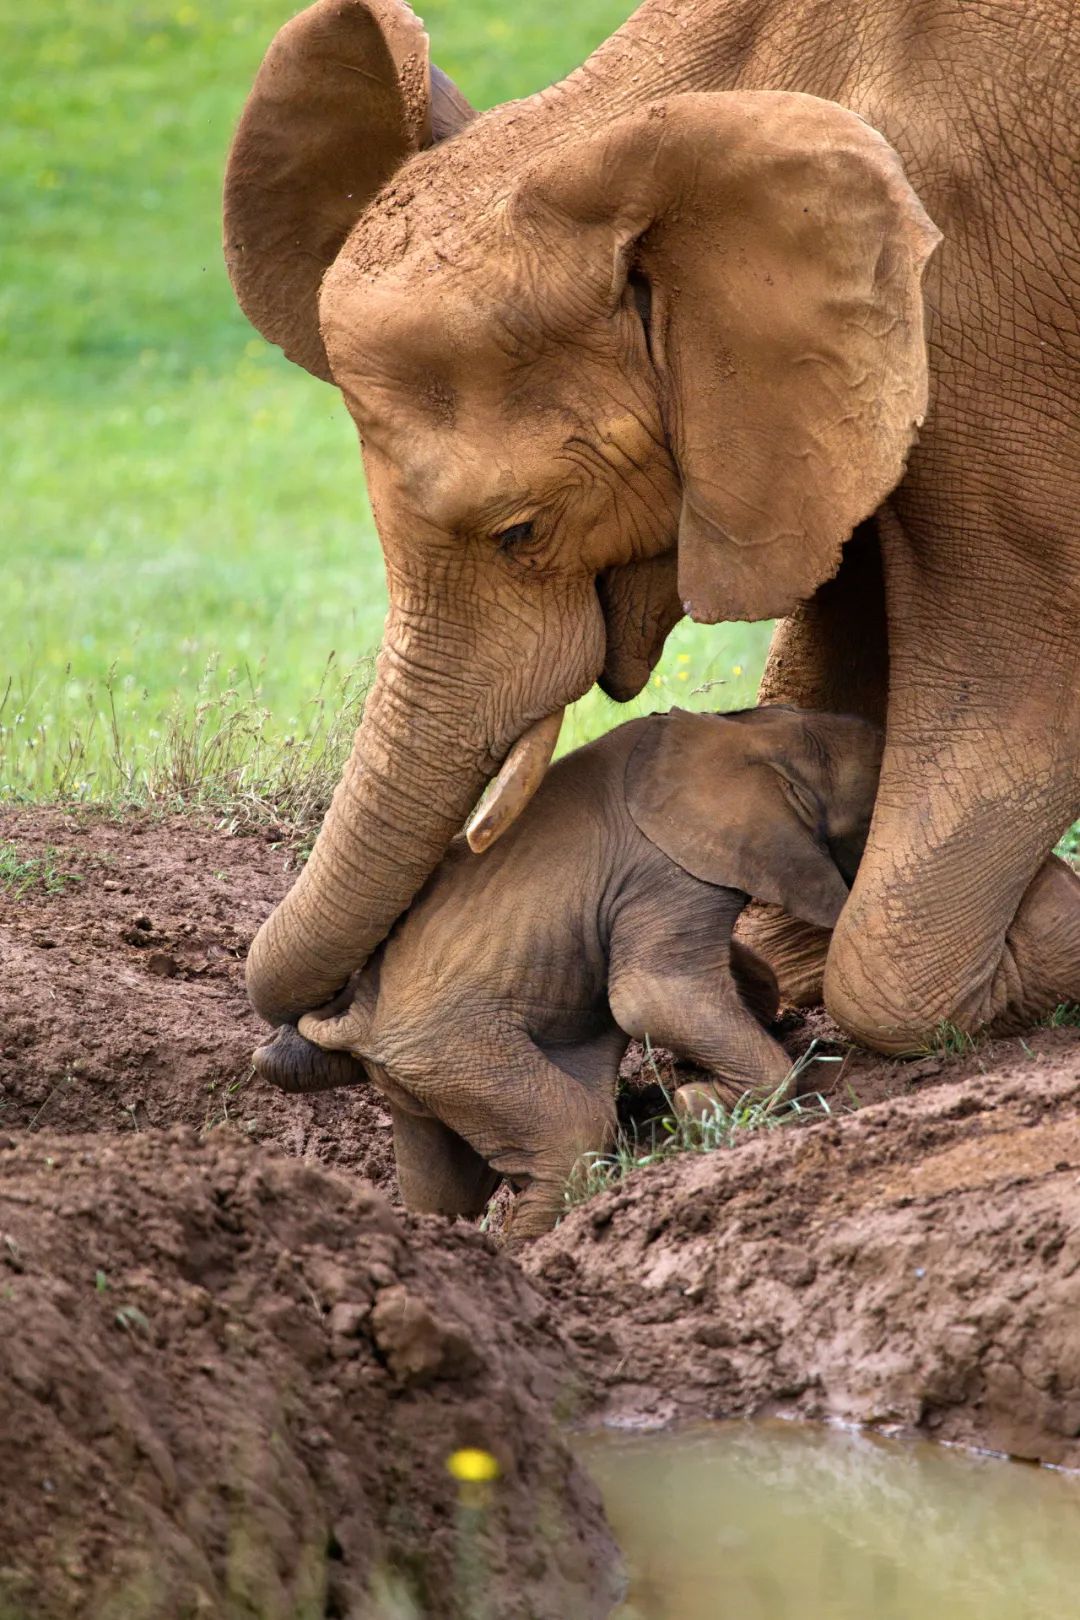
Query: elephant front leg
point(673, 979)
point(795, 950)
point(958, 915)
point(1040, 964)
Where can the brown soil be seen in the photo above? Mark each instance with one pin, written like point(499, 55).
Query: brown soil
point(215, 1397)
point(123, 990)
point(229, 1386)
point(915, 1264)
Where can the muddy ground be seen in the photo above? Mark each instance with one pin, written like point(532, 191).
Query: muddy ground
point(230, 1383)
point(913, 1261)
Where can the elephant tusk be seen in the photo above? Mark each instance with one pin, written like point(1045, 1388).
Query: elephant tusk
point(521, 774)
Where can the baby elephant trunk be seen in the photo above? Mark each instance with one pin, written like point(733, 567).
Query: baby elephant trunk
point(296, 1065)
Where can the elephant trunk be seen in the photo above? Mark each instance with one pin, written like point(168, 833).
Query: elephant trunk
point(410, 783)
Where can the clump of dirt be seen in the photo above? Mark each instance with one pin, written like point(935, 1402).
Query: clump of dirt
point(916, 1264)
point(230, 1384)
point(123, 973)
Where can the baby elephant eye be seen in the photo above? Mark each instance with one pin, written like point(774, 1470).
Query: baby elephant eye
point(515, 535)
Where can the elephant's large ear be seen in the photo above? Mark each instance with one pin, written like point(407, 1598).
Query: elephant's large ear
point(344, 96)
point(784, 252)
point(731, 806)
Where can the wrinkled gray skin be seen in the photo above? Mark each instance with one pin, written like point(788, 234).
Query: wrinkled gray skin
point(496, 1015)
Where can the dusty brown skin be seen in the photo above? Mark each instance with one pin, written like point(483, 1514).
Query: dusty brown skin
point(651, 342)
point(497, 1014)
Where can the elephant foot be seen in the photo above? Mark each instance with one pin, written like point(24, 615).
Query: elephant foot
point(1040, 965)
point(296, 1065)
point(887, 996)
point(795, 951)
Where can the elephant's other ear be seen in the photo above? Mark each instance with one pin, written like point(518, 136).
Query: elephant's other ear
point(342, 99)
point(784, 251)
point(706, 792)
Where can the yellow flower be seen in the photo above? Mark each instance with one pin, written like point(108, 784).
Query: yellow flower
point(682, 674)
point(683, 658)
point(736, 669)
point(473, 1466)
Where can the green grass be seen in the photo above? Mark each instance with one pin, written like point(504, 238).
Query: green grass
point(949, 1040)
point(21, 873)
point(187, 541)
point(717, 1128)
point(1066, 1015)
point(185, 516)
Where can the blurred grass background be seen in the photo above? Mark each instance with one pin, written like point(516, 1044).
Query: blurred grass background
point(186, 534)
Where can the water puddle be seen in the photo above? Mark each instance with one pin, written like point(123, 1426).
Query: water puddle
point(791, 1522)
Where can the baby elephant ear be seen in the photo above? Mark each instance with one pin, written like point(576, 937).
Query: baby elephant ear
point(708, 793)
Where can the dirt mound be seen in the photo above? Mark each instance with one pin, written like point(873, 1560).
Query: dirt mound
point(916, 1264)
point(229, 1386)
point(123, 1006)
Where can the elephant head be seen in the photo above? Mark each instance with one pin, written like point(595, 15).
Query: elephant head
point(609, 365)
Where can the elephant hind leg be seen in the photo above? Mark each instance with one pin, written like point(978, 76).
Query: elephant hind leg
point(296, 1065)
point(549, 1122)
point(438, 1172)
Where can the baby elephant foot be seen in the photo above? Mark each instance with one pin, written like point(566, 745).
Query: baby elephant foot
point(700, 1099)
point(294, 1064)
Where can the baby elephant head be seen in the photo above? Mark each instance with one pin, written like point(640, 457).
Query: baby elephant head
point(774, 801)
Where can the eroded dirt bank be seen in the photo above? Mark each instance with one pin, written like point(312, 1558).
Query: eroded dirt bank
point(916, 1264)
point(122, 1002)
point(229, 1385)
point(216, 1398)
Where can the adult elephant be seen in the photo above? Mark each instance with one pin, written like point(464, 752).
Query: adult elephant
point(650, 342)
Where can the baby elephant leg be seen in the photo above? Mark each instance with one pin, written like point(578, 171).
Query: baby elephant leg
point(438, 1172)
point(534, 1127)
point(682, 992)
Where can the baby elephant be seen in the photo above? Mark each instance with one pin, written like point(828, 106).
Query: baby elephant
point(495, 1015)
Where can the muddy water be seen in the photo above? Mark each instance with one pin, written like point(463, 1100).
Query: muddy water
point(785, 1522)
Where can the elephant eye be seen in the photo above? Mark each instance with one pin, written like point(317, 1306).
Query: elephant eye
point(515, 535)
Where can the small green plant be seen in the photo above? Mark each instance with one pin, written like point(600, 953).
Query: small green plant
point(1066, 1015)
point(132, 1320)
point(720, 1126)
point(219, 1098)
point(20, 873)
point(948, 1040)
